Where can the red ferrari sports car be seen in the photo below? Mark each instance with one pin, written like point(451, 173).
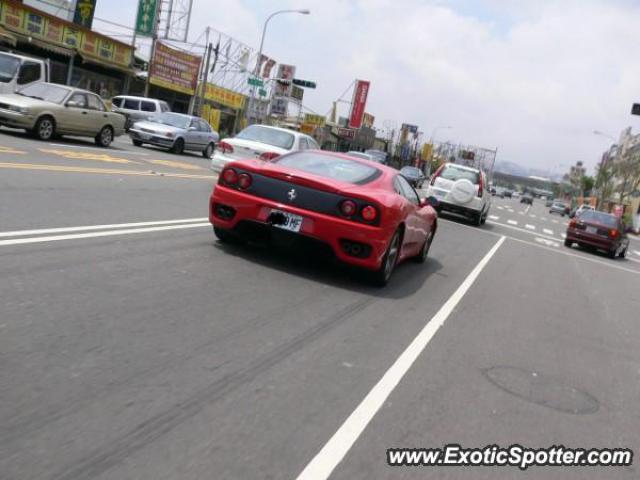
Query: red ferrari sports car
point(367, 214)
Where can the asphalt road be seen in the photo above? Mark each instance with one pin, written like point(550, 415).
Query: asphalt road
point(151, 351)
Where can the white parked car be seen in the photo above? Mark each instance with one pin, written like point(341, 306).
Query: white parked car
point(260, 141)
point(461, 190)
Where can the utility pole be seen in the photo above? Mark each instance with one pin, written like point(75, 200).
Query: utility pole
point(204, 75)
point(154, 40)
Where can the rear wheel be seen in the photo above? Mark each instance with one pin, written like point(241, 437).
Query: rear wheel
point(178, 146)
point(477, 220)
point(45, 128)
point(623, 253)
point(424, 252)
point(381, 276)
point(104, 137)
point(136, 143)
point(568, 243)
point(208, 152)
point(612, 253)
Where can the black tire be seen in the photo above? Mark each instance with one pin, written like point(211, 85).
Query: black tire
point(104, 137)
point(568, 243)
point(208, 152)
point(477, 220)
point(424, 251)
point(225, 236)
point(136, 143)
point(381, 276)
point(45, 128)
point(178, 146)
point(612, 253)
point(623, 253)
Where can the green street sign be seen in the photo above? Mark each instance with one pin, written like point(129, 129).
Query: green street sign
point(262, 92)
point(145, 21)
point(256, 82)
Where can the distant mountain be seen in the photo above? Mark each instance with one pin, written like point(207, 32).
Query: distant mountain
point(511, 168)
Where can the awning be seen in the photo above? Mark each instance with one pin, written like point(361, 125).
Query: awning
point(7, 37)
point(67, 52)
point(108, 65)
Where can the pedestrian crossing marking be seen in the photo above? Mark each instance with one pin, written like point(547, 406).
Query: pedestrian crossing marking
point(530, 227)
point(494, 217)
point(547, 231)
point(512, 222)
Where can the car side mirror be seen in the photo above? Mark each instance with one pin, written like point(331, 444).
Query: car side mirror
point(432, 201)
point(72, 104)
point(192, 129)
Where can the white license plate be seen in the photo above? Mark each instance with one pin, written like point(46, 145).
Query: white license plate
point(145, 136)
point(592, 230)
point(292, 222)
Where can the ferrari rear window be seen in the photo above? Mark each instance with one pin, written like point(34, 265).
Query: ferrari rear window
point(335, 168)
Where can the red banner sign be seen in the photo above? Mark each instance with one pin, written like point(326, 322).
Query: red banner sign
point(358, 103)
point(174, 69)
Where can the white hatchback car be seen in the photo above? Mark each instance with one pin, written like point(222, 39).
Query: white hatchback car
point(260, 141)
point(461, 190)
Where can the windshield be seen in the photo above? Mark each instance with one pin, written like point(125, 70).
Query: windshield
point(359, 155)
point(173, 120)
point(8, 68)
point(45, 91)
point(454, 173)
point(411, 171)
point(270, 136)
point(328, 166)
point(599, 217)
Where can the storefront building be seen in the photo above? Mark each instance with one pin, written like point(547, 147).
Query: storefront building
point(223, 109)
point(78, 56)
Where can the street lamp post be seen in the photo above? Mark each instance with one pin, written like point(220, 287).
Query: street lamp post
point(256, 70)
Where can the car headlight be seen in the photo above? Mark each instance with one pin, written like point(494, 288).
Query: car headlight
point(15, 108)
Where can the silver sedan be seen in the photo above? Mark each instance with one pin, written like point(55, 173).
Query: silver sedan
point(177, 132)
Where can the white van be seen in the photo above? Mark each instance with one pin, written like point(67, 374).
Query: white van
point(17, 71)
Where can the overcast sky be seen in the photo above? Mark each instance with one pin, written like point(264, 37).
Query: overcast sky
point(533, 78)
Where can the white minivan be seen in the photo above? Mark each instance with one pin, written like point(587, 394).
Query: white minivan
point(17, 71)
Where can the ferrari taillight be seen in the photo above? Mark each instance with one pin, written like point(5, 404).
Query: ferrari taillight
point(348, 208)
point(229, 176)
point(369, 213)
point(244, 181)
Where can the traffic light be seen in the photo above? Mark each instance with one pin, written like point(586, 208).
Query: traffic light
point(304, 83)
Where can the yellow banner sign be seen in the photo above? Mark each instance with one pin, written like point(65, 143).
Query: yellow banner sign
point(307, 128)
point(317, 120)
point(36, 24)
point(212, 116)
point(224, 96)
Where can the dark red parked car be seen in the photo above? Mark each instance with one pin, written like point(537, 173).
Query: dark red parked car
point(598, 230)
point(366, 213)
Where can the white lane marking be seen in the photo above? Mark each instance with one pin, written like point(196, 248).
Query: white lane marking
point(544, 219)
point(512, 222)
point(533, 215)
point(341, 442)
point(554, 221)
point(109, 233)
point(549, 243)
point(494, 217)
point(547, 231)
point(526, 242)
point(518, 229)
point(633, 260)
point(636, 252)
point(500, 208)
point(564, 235)
point(128, 152)
point(510, 210)
point(530, 227)
point(23, 233)
point(521, 213)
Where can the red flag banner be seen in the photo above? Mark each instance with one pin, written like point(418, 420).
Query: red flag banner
point(358, 103)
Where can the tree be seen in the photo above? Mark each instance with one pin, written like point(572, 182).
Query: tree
point(627, 170)
point(586, 184)
point(604, 182)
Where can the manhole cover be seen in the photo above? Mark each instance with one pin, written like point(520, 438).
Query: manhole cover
point(542, 390)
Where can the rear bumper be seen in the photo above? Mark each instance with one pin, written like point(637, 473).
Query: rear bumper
point(459, 209)
point(152, 139)
point(251, 222)
point(593, 240)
